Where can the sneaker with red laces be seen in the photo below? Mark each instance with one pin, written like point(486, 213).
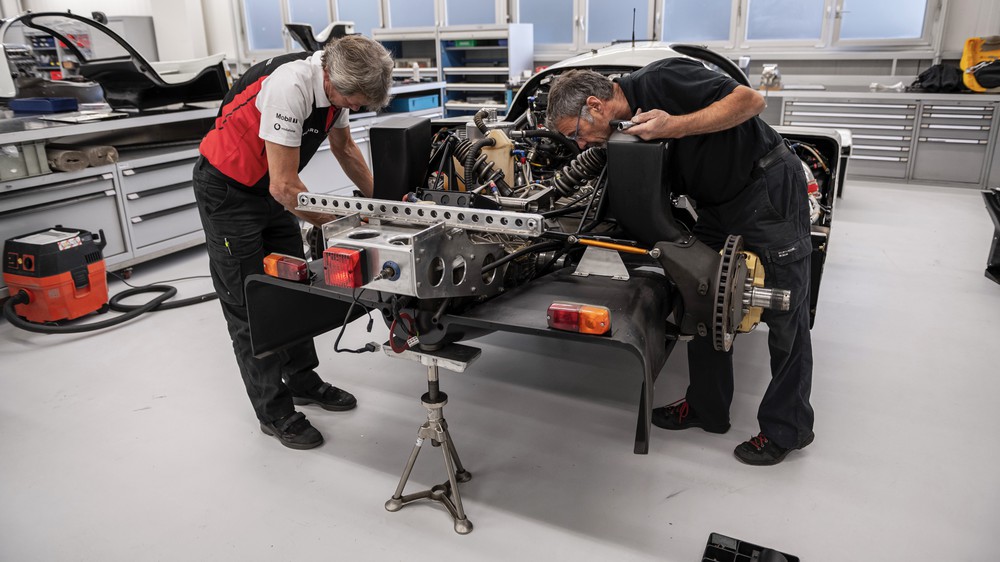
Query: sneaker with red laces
point(761, 451)
point(679, 415)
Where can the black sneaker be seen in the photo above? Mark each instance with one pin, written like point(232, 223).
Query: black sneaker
point(761, 451)
point(679, 415)
point(327, 397)
point(294, 431)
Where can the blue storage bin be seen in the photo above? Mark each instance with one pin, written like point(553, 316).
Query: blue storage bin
point(415, 103)
point(42, 105)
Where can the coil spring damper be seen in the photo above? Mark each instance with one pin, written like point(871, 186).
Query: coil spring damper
point(582, 169)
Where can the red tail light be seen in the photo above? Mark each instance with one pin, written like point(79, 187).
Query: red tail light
point(286, 267)
point(345, 267)
point(583, 318)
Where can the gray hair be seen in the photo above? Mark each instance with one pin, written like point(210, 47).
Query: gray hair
point(569, 92)
point(358, 65)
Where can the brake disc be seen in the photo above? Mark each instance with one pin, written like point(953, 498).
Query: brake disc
point(728, 313)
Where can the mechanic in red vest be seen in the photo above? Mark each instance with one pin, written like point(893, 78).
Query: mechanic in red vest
point(246, 182)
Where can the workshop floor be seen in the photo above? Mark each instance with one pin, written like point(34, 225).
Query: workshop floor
point(139, 443)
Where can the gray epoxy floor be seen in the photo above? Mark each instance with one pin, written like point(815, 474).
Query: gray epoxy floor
point(139, 443)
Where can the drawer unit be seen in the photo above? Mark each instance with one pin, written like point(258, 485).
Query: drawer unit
point(883, 132)
point(137, 177)
point(952, 142)
point(159, 197)
point(88, 200)
point(165, 224)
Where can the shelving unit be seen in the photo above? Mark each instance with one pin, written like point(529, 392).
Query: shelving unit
point(478, 61)
point(413, 45)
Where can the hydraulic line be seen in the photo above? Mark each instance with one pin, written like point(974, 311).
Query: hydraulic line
point(540, 247)
point(478, 120)
point(560, 138)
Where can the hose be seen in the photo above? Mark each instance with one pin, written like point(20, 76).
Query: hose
point(478, 120)
point(161, 302)
point(580, 170)
point(470, 160)
point(540, 247)
point(531, 133)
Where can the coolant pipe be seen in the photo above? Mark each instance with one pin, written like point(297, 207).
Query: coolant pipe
point(478, 120)
point(470, 161)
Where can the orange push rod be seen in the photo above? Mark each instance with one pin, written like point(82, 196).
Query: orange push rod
point(610, 246)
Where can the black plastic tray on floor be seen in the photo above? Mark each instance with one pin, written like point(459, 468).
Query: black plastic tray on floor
point(721, 548)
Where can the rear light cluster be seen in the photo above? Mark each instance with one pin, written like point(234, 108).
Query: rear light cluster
point(582, 318)
point(345, 267)
point(286, 267)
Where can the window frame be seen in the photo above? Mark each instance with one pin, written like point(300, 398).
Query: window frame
point(382, 8)
point(500, 15)
point(745, 43)
point(584, 13)
point(727, 43)
point(933, 10)
point(552, 51)
point(246, 49)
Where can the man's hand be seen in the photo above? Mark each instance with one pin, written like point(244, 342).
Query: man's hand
point(655, 124)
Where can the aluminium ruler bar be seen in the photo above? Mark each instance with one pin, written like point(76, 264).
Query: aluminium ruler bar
point(503, 222)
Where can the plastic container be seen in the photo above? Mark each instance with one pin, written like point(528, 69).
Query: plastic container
point(415, 103)
point(42, 105)
point(23, 160)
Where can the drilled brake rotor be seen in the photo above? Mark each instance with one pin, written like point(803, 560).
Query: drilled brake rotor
point(728, 311)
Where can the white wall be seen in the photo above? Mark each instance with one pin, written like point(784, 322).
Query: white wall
point(969, 18)
point(84, 7)
point(220, 29)
point(179, 24)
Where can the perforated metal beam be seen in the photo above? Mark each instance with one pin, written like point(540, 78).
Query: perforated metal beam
point(503, 222)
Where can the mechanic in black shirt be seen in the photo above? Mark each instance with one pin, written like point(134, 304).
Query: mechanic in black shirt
point(745, 181)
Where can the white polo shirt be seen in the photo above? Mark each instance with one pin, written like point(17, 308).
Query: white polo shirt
point(288, 96)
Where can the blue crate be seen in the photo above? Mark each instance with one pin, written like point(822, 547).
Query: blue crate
point(42, 105)
point(415, 103)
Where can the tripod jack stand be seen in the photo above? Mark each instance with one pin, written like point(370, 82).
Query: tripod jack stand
point(436, 429)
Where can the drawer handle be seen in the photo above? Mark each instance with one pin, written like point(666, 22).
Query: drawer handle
point(132, 196)
point(128, 172)
point(843, 104)
point(882, 137)
point(862, 115)
point(163, 213)
point(852, 126)
point(956, 127)
point(956, 116)
point(878, 158)
point(882, 148)
point(950, 141)
point(959, 107)
point(110, 193)
point(107, 176)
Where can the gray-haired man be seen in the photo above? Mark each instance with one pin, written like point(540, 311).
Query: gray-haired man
point(746, 182)
point(246, 183)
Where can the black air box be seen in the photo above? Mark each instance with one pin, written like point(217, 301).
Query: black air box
point(401, 148)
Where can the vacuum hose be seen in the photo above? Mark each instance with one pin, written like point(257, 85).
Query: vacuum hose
point(131, 311)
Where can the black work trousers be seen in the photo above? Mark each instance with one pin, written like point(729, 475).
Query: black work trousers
point(772, 215)
point(241, 227)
